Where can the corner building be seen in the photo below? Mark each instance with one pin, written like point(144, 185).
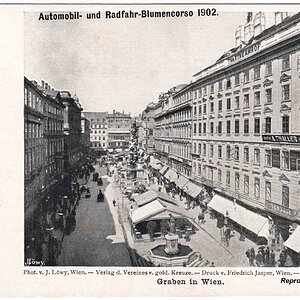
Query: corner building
point(246, 129)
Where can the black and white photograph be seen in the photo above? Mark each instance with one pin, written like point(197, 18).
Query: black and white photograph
point(162, 136)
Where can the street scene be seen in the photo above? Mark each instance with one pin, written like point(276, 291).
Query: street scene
point(204, 174)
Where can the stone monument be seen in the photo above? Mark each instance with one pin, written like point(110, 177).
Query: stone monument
point(172, 238)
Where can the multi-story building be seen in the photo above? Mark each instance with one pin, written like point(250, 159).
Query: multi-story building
point(147, 125)
point(246, 142)
point(72, 130)
point(173, 129)
point(85, 134)
point(98, 131)
point(118, 127)
point(34, 160)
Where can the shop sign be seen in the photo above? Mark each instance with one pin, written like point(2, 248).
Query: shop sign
point(281, 138)
point(244, 52)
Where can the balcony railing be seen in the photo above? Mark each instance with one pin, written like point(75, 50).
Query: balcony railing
point(280, 210)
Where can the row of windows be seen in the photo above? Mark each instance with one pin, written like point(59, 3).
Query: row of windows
point(97, 138)
point(96, 145)
point(33, 130)
point(256, 185)
point(32, 100)
point(99, 132)
point(288, 160)
point(98, 126)
point(267, 126)
point(203, 109)
point(118, 144)
point(33, 159)
point(228, 83)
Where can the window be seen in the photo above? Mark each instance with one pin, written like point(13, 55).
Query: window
point(256, 187)
point(257, 98)
point(195, 111)
point(199, 169)
point(268, 190)
point(204, 128)
point(204, 149)
point(199, 148)
point(30, 99)
point(237, 79)
point(228, 152)
point(285, 124)
point(211, 150)
point(227, 177)
point(220, 105)
point(195, 128)
point(268, 125)
point(246, 100)
point(246, 126)
point(204, 91)
point(237, 126)
point(257, 73)
point(220, 151)
point(285, 196)
point(212, 89)
point(246, 76)
point(25, 96)
point(211, 107)
point(237, 102)
point(268, 68)
point(220, 127)
point(228, 84)
point(237, 181)
point(285, 160)
point(220, 85)
point(246, 154)
point(199, 128)
point(268, 158)
point(286, 92)
point(269, 95)
point(286, 62)
point(256, 125)
point(228, 126)
point(275, 158)
point(195, 94)
point(211, 127)
point(200, 110)
point(228, 103)
point(256, 156)
point(236, 153)
point(295, 160)
point(220, 175)
point(204, 108)
point(246, 184)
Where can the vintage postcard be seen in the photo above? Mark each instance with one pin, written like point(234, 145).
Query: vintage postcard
point(156, 151)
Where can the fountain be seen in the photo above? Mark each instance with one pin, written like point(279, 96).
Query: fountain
point(172, 253)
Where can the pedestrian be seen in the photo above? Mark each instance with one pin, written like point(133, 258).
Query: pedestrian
point(272, 258)
point(267, 255)
point(258, 259)
point(212, 264)
point(114, 202)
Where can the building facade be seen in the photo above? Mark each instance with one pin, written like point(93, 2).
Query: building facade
point(173, 129)
point(246, 142)
point(85, 134)
point(98, 131)
point(72, 131)
point(118, 130)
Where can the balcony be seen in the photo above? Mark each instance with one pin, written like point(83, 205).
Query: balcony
point(280, 210)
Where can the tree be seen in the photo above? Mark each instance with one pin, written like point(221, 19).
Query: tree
point(151, 227)
point(164, 227)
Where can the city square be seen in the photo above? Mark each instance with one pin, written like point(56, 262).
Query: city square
point(204, 175)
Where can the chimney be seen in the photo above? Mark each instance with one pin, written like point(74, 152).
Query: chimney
point(49, 87)
point(249, 16)
point(114, 111)
point(43, 84)
point(46, 86)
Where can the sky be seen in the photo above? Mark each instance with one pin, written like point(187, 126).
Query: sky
point(124, 64)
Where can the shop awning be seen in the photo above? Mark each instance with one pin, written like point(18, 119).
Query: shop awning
point(181, 181)
point(171, 175)
point(163, 170)
point(192, 189)
point(293, 242)
point(239, 214)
